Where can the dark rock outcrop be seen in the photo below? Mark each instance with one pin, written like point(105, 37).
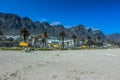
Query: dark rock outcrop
point(113, 37)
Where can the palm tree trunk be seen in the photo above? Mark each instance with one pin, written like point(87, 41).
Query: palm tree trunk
point(63, 42)
point(25, 38)
point(74, 43)
point(24, 35)
point(2, 43)
point(45, 44)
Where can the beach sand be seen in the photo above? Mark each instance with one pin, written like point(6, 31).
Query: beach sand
point(101, 64)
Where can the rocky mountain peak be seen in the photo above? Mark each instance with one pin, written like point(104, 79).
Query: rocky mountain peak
point(12, 23)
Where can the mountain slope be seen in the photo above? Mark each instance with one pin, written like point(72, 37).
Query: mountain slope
point(114, 37)
point(11, 24)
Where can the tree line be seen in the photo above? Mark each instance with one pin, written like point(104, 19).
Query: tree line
point(90, 41)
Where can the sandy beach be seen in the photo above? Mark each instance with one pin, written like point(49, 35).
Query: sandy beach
point(101, 64)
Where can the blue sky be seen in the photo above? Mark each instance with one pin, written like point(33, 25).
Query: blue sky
point(98, 14)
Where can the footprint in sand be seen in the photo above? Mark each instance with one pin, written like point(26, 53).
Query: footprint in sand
point(14, 74)
point(76, 74)
point(57, 54)
point(54, 76)
point(27, 67)
point(47, 62)
point(74, 71)
point(41, 65)
point(73, 78)
point(5, 76)
point(77, 78)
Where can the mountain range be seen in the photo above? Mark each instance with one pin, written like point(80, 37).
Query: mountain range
point(12, 23)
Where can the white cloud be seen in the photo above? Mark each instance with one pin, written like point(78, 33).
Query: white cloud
point(69, 26)
point(95, 29)
point(44, 20)
point(55, 23)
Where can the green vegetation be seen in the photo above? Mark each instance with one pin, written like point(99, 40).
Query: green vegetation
point(13, 49)
point(36, 43)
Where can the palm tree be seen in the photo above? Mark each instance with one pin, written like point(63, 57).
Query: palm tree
point(1, 35)
point(43, 40)
point(99, 40)
point(44, 37)
point(95, 42)
point(89, 41)
point(62, 35)
point(24, 32)
point(74, 37)
point(83, 41)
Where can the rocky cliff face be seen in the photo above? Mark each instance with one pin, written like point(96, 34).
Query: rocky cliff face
point(11, 24)
point(113, 37)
